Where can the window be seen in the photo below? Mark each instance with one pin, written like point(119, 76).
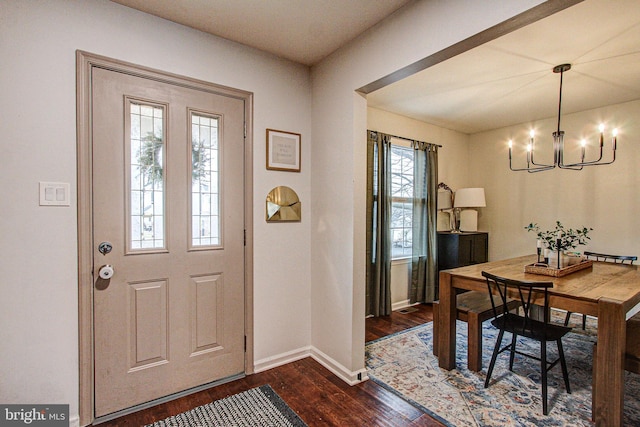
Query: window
point(146, 216)
point(401, 201)
point(205, 180)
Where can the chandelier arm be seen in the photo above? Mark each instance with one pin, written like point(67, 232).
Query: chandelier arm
point(530, 169)
point(590, 163)
point(558, 140)
point(593, 162)
point(539, 164)
point(571, 167)
point(540, 169)
point(574, 166)
point(542, 165)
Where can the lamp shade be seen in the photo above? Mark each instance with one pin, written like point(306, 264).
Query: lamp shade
point(444, 200)
point(469, 198)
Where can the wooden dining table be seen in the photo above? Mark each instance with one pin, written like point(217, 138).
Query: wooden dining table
point(609, 291)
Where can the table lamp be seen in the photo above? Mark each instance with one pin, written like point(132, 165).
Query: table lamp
point(468, 198)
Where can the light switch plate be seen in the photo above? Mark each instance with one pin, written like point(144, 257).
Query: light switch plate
point(54, 194)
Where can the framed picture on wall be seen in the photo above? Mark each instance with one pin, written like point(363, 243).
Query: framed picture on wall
point(283, 151)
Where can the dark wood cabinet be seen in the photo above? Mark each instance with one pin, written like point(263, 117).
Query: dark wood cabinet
point(460, 249)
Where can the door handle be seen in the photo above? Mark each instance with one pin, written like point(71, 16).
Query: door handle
point(106, 272)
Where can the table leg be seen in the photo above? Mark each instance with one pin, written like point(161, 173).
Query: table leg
point(447, 323)
point(474, 342)
point(608, 398)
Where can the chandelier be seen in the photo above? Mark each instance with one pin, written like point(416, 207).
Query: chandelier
point(558, 143)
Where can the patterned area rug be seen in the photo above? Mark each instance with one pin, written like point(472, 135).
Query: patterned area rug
point(259, 406)
point(404, 363)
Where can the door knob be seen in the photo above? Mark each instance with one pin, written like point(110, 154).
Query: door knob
point(106, 272)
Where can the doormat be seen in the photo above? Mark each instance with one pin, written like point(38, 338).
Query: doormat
point(259, 406)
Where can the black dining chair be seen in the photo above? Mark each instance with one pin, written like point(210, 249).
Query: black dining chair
point(521, 324)
point(595, 256)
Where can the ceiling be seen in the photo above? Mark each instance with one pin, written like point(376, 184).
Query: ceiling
point(303, 31)
point(510, 80)
point(504, 82)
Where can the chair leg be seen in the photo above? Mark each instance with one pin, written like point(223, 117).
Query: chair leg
point(543, 366)
point(512, 351)
point(496, 349)
point(563, 364)
point(474, 342)
point(436, 313)
point(566, 319)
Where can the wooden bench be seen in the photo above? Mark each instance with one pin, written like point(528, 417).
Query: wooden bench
point(474, 308)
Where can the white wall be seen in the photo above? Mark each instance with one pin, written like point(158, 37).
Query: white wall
point(453, 161)
point(339, 156)
point(38, 281)
point(605, 198)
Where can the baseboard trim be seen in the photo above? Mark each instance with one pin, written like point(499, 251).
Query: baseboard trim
point(281, 359)
point(400, 305)
point(346, 375)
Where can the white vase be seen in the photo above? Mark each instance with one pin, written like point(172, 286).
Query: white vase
point(553, 259)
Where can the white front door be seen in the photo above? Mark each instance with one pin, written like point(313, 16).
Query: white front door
point(168, 203)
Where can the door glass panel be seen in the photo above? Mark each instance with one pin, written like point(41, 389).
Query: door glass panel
point(147, 140)
point(205, 189)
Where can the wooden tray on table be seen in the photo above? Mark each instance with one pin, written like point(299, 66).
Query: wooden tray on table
point(543, 269)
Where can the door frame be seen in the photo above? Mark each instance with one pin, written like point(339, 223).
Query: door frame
point(85, 62)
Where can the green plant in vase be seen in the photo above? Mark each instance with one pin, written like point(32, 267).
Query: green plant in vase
point(560, 239)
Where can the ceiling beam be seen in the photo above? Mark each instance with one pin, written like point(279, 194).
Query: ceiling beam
point(521, 20)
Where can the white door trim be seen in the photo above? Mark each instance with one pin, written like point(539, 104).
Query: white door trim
point(85, 62)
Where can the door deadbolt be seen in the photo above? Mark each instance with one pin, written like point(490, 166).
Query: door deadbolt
point(104, 248)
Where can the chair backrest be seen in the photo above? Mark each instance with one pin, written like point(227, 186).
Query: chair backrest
point(618, 259)
point(527, 292)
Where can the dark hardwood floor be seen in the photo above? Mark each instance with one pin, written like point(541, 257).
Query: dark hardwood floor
point(318, 397)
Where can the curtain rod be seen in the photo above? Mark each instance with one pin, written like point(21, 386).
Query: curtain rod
point(407, 139)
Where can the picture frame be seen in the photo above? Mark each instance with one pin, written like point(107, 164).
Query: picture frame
point(283, 150)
